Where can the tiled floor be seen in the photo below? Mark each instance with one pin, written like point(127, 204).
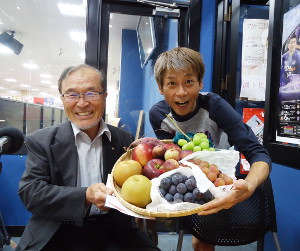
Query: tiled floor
point(168, 242)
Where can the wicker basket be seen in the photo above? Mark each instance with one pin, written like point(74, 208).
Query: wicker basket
point(142, 211)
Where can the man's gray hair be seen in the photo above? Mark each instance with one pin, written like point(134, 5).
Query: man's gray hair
point(72, 69)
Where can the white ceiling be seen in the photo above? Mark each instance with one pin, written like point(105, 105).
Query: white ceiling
point(44, 31)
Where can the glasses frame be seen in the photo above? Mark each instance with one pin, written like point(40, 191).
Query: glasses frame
point(78, 95)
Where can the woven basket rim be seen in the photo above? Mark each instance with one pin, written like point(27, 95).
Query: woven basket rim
point(143, 211)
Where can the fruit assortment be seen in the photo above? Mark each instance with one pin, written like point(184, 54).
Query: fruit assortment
point(151, 158)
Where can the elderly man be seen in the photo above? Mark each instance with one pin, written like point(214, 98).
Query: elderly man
point(67, 165)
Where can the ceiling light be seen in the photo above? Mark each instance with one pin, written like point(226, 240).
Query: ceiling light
point(78, 36)
point(24, 85)
point(35, 90)
point(5, 50)
point(31, 66)
point(44, 93)
point(73, 10)
point(82, 55)
point(10, 80)
point(45, 75)
point(46, 82)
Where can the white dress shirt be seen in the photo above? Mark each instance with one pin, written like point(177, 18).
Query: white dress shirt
point(90, 159)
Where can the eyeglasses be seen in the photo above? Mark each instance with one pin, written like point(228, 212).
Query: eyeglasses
point(88, 96)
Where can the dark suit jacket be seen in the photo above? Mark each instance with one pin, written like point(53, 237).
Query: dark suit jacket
point(48, 185)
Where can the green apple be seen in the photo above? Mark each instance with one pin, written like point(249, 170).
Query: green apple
point(211, 149)
point(197, 148)
point(181, 142)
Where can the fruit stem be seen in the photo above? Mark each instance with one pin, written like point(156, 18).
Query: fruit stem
point(174, 123)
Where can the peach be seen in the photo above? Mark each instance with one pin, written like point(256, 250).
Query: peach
point(219, 182)
point(214, 168)
point(228, 180)
point(205, 170)
point(212, 176)
point(196, 161)
point(204, 163)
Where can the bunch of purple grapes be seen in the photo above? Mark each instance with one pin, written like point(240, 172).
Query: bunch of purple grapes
point(179, 188)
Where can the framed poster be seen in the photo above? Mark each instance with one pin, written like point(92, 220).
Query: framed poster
point(282, 106)
point(289, 90)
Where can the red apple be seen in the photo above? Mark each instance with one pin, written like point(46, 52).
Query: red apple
point(172, 154)
point(159, 151)
point(153, 168)
point(185, 153)
point(172, 146)
point(142, 153)
point(170, 164)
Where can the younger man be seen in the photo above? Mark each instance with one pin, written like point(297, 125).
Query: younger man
point(179, 73)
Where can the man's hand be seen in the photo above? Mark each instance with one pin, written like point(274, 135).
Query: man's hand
point(96, 194)
point(240, 191)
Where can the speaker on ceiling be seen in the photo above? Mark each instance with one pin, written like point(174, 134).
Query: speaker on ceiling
point(9, 41)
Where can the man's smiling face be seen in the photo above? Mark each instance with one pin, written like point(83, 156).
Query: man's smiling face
point(85, 114)
point(181, 90)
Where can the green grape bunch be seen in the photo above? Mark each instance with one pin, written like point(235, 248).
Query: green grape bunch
point(194, 141)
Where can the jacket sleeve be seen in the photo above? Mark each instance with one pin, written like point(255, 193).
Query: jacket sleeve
point(41, 188)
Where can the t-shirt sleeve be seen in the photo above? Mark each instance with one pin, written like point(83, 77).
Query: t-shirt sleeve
point(239, 134)
point(156, 117)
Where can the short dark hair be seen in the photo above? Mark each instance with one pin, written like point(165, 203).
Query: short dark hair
point(179, 58)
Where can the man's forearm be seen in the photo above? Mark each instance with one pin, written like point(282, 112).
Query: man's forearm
point(259, 172)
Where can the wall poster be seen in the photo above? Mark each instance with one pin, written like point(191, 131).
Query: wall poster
point(254, 59)
point(254, 118)
point(288, 129)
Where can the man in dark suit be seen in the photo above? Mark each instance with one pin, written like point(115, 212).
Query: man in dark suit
point(66, 171)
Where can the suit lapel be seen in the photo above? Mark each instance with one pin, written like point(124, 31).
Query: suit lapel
point(65, 154)
point(109, 156)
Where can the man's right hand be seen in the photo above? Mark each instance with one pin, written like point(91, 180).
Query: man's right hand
point(96, 194)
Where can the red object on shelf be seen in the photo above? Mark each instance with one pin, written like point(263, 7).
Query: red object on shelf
point(37, 100)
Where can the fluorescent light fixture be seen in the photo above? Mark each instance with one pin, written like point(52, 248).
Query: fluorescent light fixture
point(44, 93)
point(10, 80)
point(46, 82)
point(73, 10)
point(24, 85)
point(54, 87)
point(13, 92)
point(45, 75)
point(82, 55)
point(35, 90)
point(31, 66)
point(78, 36)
